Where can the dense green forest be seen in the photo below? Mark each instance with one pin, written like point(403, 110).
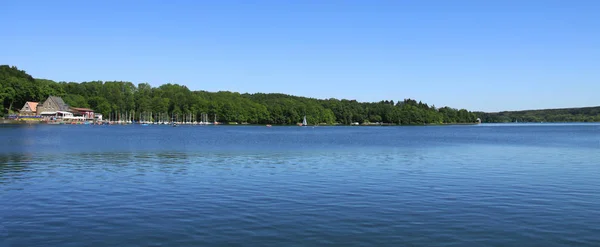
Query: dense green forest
point(584, 114)
point(110, 97)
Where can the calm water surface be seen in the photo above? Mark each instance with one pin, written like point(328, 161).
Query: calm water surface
point(486, 185)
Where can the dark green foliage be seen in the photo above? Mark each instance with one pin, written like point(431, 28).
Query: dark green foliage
point(584, 114)
point(17, 87)
point(108, 98)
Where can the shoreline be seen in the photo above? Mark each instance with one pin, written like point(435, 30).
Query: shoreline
point(21, 122)
point(5, 122)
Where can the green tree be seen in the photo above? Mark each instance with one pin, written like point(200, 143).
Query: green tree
point(116, 98)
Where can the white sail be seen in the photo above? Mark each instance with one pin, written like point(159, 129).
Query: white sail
point(304, 121)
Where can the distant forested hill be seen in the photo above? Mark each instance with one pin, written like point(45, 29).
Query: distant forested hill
point(119, 97)
point(584, 114)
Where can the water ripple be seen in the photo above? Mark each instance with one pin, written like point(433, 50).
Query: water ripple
point(444, 189)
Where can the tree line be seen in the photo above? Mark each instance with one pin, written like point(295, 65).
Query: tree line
point(110, 97)
point(583, 114)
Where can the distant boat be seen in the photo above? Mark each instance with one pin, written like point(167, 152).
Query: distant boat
point(304, 122)
point(268, 125)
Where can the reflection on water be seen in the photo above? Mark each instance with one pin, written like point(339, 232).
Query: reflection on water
point(13, 165)
point(466, 186)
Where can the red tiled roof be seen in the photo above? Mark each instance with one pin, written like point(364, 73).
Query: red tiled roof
point(81, 109)
point(32, 105)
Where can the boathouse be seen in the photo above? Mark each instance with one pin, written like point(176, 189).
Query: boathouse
point(29, 109)
point(51, 106)
point(86, 113)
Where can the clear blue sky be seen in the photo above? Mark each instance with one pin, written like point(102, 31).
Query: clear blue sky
point(479, 55)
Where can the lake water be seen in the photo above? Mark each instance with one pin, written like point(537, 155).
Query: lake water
point(485, 185)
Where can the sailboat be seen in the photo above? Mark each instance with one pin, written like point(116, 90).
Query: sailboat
point(303, 122)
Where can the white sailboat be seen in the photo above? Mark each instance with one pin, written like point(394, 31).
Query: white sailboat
point(304, 121)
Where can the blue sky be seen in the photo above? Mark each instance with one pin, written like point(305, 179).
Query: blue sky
point(478, 55)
